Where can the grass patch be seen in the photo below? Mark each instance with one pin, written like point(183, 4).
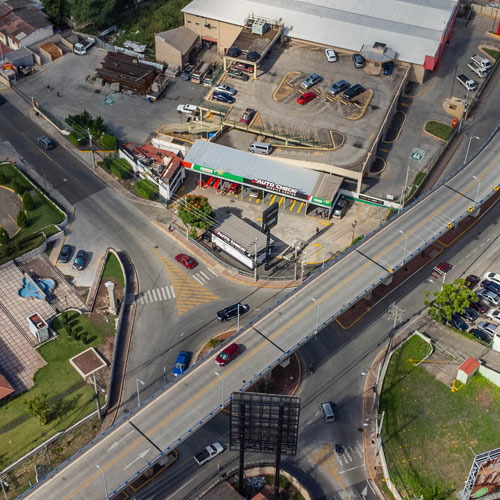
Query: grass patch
point(146, 189)
point(112, 269)
point(51, 230)
point(67, 391)
point(439, 129)
point(492, 52)
point(416, 183)
point(428, 429)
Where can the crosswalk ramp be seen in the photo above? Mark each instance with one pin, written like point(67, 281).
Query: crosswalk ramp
point(156, 295)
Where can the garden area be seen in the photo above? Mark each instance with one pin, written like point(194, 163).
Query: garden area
point(428, 430)
point(26, 219)
point(440, 130)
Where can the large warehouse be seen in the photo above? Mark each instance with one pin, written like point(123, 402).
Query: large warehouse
point(415, 30)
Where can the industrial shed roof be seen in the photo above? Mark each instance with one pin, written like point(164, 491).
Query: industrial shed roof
point(412, 28)
point(180, 38)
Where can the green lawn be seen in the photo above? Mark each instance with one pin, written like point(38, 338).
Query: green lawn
point(44, 215)
point(112, 269)
point(493, 53)
point(71, 396)
point(428, 429)
point(439, 129)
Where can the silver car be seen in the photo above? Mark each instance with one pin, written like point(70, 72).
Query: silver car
point(225, 88)
point(311, 80)
point(489, 296)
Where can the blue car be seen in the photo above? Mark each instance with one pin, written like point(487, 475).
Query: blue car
point(182, 363)
point(492, 286)
point(387, 68)
point(457, 322)
point(223, 97)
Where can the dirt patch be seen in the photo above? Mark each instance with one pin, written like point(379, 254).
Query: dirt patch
point(441, 367)
point(10, 204)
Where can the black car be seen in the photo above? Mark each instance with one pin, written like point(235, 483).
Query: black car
point(79, 262)
point(479, 334)
point(253, 56)
point(457, 322)
point(223, 97)
point(353, 92)
point(65, 254)
point(232, 311)
point(186, 74)
point(470, 314)
point(387, 68)
point(491, 286)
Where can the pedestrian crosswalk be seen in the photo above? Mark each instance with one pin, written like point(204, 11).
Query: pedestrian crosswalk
point(156, 295)
point(333, 463)
point(203, 278)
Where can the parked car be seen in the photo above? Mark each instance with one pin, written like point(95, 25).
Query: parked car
point(494, 315)
point(238, 75)
point(470, 314)
point(480, 307)
point(253, 56)
point(358, 60)
point(311, 80)
point(222, 97)
point(491, 286)
point(305, 98)
point(232, 311)
point(228, 354)
point(479, 334)
point(233, 51)
point(489, 296)
point(353, 92)
point(79, 262)
point(331, 55)
point(387, 68)
point(340, 208)
point(65, 254)
point(457, 322)
point(492, 277)
point(187, 261)
point(247, 116)
point(440, 269)
point(338, 87)
point(46, 142)
point(472, 280)
point(186, 74)
point(246, 68)
point(225, 89)
point(181, 363)
point(488, 328)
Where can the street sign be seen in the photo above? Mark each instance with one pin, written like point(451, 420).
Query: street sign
point(270, 217)
point(417, 154)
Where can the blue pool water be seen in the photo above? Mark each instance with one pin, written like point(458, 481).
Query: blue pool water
point(29, 290)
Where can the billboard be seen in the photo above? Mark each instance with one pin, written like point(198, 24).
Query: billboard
point(484, 476)
point(270, 217)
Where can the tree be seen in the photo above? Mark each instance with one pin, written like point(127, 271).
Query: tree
point(28, 203)
point(18, 187)
point(97, 12)
point(84, 122)
point(194, 210)
point(4, 236)
point(21, 219)
point(454, 297)
point(39, 408)
point(57, 10)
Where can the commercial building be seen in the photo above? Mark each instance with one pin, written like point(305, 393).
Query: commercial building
point(415, 33)
point(175, 46)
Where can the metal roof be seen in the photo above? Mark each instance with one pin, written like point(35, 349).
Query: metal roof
point(242, 233)
point(181, 38)
point(413, 28)
point(249, 165)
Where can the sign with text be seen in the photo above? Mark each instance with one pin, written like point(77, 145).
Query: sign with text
point(270, 217)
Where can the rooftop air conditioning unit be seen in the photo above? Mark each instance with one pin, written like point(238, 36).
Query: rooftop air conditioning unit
point(259, 27)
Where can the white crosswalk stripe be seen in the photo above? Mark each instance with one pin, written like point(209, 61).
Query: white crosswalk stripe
point(156, 295)
point(212, 271)
point(167, 289)
point(199, 280)
point(205, 276)
point(163, 294)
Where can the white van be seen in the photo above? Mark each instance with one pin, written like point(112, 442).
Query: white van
point(262, 148)
point(328, 412)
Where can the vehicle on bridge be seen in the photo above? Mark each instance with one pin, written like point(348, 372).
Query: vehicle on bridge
point(208, 453)
point(228, 354)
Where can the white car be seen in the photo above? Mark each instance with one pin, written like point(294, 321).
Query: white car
point(225, 88)
point(495, 277)
point(494, 315)
point(331, 56)
point(491, 297)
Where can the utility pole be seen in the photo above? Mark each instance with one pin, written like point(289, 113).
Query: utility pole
point(96, 396)
point(255, 260)
point(395, 313)
point(91, 148)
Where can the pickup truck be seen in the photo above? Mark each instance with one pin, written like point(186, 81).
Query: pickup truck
point(468, 83)
point(481, 61)
point(81, 48)
point(479, 70)
point(208, 453)
point(187, 109)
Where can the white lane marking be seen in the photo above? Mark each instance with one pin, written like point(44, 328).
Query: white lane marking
point(352, 468)
point(205, 276)
point(198, 279)
point(212, 271)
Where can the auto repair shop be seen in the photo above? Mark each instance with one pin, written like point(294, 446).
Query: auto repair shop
point(226, 169)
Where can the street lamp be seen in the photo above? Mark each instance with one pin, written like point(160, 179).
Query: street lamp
point(98, 467)
point(238, 326)
point(353, 229)
point(403, 193)
point(468, 146)
point(137, 382)
point(406, 241)
point(222, 389)
point(477, 191)
point(317, 313)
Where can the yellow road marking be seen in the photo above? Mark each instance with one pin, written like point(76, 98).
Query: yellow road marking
point(272, 200)
point(384, 150)
point(371, 213)
point(281, 201)
point(12, 219)
point(300, 208)
point(293, 204)
point(238, 361)
point(317, 244)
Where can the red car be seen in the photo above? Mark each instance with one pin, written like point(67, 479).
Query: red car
point(228, 354)
point(186, 260)
point(305, 98)
point(244, 67)
point(472, 280)
point(480, 307)
point(247, 116)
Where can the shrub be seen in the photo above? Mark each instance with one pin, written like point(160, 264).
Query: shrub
point(77, 139)
point(121, 168)
point(21, 219)
point(214, 342)
point(108, 142)
point(18, 187)
point(4, 236)
point(28, 203)
point(194, 210)
point(3, 179)
point(146, 189)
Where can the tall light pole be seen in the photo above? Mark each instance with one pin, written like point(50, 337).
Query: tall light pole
point(406, 241)
point(403, 193)
point(468, 146)
point(98, 467)
point(317, 313)
point(453, 82)
point(238, 327)
point(477, 190)
point(137, 381)
point(354, 224)
point(222, 389)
